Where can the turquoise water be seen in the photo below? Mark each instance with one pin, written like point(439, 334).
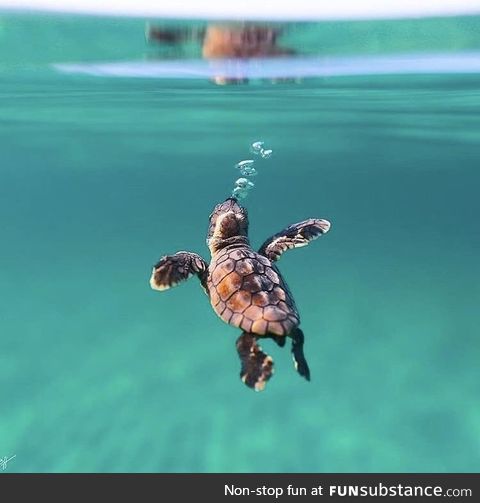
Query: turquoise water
point(102, 176)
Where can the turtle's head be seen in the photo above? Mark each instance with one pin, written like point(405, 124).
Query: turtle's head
point(228, 225)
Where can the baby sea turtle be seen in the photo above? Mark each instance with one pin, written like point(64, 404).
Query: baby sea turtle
point(245, 287)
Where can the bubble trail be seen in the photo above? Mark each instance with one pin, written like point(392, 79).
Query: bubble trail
point(243, 185)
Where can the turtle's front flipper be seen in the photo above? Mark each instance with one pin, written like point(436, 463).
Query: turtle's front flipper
point(257, 367)
point(301, 365)
point(294, 236)
point(172, 269)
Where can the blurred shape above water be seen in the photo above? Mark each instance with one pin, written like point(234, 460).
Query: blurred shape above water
point(244, 41)
point(31, 41)
point(233, 41)
point(238, 53)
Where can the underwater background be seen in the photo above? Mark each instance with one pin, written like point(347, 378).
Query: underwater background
point(101, 176)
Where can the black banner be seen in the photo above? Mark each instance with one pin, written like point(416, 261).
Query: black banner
point(234, 487)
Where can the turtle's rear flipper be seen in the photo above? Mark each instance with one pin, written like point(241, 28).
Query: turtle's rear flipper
point(278, 339)
point(299, 360)
point(257, 367)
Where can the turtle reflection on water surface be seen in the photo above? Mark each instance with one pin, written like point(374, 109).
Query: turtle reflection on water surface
point(245, 287)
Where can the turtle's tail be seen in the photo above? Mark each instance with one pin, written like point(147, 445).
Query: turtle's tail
point(299, 360)
point(257, 367)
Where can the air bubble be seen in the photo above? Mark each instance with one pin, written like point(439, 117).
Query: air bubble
point(266, 153)
point(246, 168)
point(239, 193)
point(244, 164)
point(249, 171)
point(256, 147)
point(243, 183)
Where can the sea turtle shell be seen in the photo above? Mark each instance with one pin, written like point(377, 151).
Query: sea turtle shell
point(247, 291)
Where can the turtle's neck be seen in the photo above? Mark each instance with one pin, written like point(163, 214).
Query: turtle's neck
point(217, 244)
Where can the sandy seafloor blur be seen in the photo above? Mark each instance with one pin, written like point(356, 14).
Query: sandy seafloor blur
point(99, 177)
